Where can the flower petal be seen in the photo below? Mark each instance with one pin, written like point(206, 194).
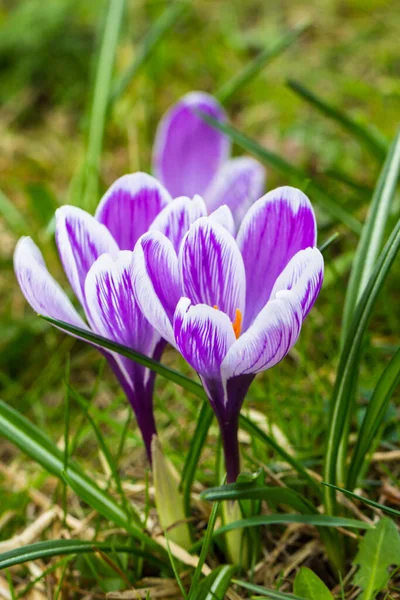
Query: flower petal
point(224, 217)
point(269, 338)
point(188, 152)
point(176, 218)
point(39, 288)
point(203, 336)
point(274, 229)
point(156, 281)
point(303, 275)
point(81, 239)
point(239, 183)
point(212, 268)
point(129, 207)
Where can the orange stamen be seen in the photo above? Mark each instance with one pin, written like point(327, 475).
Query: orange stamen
point(215, 306)
point(237, 323)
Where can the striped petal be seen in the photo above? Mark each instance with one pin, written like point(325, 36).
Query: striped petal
point(224, 217)
point(130, 206)
point(81, 239)
point(212, 268)
point(176, 218)
point(239, 183)
point(274, 229)
point(188, 152)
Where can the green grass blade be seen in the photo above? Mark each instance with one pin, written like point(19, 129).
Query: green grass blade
point(12, 216)
point(283, 519)
point(191, 386)
point(101, 95)
point(295, 175)
point(261, 60)
point(329, 242)
point(197, 442)
point(219, 586)
point(376, 409)
point(28, 438)
point(342, 392)
point(167, 20)
point(382, 507)
point(248, 491)
point(273, 594)
point(372, 234)
point(207, 541)
point(52, 548)
point(373, 140)
point(255, 431)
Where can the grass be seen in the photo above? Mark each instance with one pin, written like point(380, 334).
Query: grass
point(348, 59)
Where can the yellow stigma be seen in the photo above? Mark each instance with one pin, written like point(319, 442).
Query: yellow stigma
point(237, 323)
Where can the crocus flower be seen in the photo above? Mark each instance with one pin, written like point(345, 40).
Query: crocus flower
point(96, 253)
point(191, 157)
point(233, 307)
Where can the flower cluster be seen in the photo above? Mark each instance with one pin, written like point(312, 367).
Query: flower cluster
point(195, 256)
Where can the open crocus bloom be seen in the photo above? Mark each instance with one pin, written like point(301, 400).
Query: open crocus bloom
point(191, 157)
point(96, 253)
point(233, 307)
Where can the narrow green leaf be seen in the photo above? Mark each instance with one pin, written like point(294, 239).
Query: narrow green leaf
point(243, 491)
point(215, 585)
point(261, 60)
point(101, 95)
point(52, 548)
point(28, 438)
point(372, 139)
point(197, 442)
point(390, 511)
point(373, 231)
point(168, 19)
point(378, 550)
point(191, 386)
point(309, 585)
point(12, 216)
point(373, 418)
point(273, 594)
point(329, 242)
point(341, 396)
point(295, 175)
point(204, 551)
point(283, 519)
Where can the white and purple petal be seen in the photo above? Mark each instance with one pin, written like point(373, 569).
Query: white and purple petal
point(156, 281)
point(81, 239)
point(239, 183)
point(188, 152)
point(224, 217)
point(303, 275)
point(203, 336)
point(274, 229)
point(212, 269)
point(268, 340)
point(129, 207)
point(176, 218)
point(39, 288)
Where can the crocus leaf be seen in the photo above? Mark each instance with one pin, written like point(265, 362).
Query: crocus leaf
point(52, 548)
point(215, 585)
point(273, 594)
point(309, 585)
point(295, 175)
point(255, 66)
point(388, 509)
point(341, 396)
point(374, 415)
point(378, 550)
point(188, 384)
point(372, 139)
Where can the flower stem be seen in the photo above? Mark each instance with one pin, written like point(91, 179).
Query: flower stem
point(230, 444)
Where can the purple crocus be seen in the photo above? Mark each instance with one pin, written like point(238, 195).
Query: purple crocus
point(191, 157)
point(233, 307)
point(96, 253)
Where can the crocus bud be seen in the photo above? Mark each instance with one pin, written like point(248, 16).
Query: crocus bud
point(169, 501)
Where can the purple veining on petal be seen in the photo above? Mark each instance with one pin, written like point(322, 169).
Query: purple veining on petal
point(275, 228)
point(188, 152)
point(224, 217)
point(212, 269)
point(129, 207)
